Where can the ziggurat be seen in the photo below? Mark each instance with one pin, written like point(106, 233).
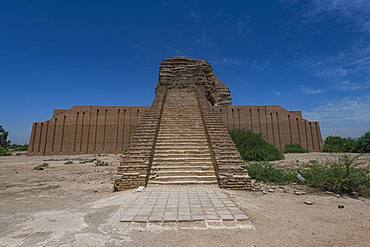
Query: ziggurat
point(182, 138)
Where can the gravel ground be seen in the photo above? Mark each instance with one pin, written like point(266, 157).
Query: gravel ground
point(73, 205)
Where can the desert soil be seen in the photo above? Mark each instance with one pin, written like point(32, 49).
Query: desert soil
point(73, 205)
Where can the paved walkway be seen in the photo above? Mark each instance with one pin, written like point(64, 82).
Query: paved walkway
point(182, 204)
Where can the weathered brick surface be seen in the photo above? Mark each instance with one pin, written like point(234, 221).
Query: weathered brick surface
point(228, 164)
point(122, 121)
point(134, 168)
point(99, 129)
point(88, 129)
point(277, 125)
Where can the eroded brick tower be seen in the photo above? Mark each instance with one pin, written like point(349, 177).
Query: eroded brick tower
point(182, 139)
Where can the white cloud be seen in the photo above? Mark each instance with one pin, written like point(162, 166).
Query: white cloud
point(253, 64)
point(277, 93)
point(346, 117)
point(351, 86)
point(308, 90)
point(204, 40)
point(240, 25)
point(357, 11)
point(349, 70)
point(197, 17)
point(231, 61)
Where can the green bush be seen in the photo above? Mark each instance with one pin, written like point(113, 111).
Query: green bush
point(338, 176)
point(294, 148)
point(16, 147)
point(101, 163)
point(364, 143)
point(4, 142)
point(87, 161)
point(337, 144)
point(252, 147)
point(4, 152)
point(41, 167)
point(266, 172)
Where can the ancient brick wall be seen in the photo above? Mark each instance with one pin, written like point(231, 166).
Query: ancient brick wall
point(85, 130)
point(277, 125)
point(74, 131)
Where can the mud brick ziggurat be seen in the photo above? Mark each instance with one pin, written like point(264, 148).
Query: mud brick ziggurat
point(181, 139)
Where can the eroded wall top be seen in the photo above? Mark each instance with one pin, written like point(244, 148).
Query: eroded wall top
point(182, 72)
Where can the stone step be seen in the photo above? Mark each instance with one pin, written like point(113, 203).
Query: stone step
point(153, 181)
point(198, 134)
point(180, 152)
point(183, 159)
point(181, 142)
point(185, 178)
point(182, 167)
point(187, 129)
point(185, 149)
point(181, 121)
point(181, 163)
point(178, 147)
point(181, 155)
point(186, 173)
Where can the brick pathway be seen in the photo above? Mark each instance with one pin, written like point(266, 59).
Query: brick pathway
point(181, 204)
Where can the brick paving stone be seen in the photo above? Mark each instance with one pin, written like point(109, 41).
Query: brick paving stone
point(182, 204)
point(240, 217)
point(127, 218)
point(212, 217)
point(141, 219)
point(227, 217)
point(169, 218)
point(183, 218)
point(198, 217)
point(156, 218)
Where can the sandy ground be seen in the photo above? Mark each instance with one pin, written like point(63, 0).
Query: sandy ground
point(293, 161)
point(73, 205)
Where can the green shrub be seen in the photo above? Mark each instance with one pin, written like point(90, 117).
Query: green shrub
point(337, 144)
point(364, 143)
point(87, 161)
point(338, 176)
point(266, 172)
point(101, 163)
point(4, 152)
point(294, 148)
point(41, 167)
point(252, 147)
point(4, 142)
point(16, 147)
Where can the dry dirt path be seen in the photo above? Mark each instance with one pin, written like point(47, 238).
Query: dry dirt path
point(73, 205)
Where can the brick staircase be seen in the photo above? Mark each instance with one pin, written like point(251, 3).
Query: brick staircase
point(135, 164)
point(182, 154)
point(181, 140)
point(229, 166)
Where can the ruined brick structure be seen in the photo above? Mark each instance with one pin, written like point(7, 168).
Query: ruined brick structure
point(181, 138)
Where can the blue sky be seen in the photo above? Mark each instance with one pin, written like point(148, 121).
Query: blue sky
point(309, 55)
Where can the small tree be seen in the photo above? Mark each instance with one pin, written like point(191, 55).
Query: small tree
point(337, 144)
point(4, 137)
point(364, 143)
point(294, 148)
point(252, 146)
